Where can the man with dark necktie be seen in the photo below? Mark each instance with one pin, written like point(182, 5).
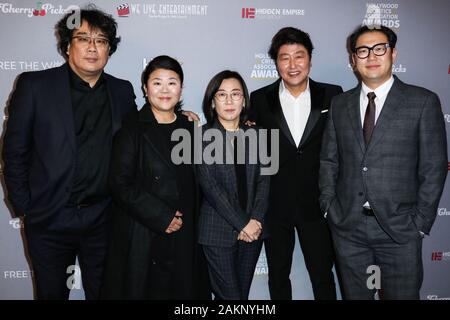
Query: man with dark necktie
point(383, 166)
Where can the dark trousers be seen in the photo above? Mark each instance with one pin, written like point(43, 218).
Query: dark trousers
point(400, 265)
point(317, 248)
point(53, 249)
point(231, 269)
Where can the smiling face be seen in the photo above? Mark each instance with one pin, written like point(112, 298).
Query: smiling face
point(163, 90)
point(374, 70)
point(87, 60)
point(229, 100)
point(294, 65)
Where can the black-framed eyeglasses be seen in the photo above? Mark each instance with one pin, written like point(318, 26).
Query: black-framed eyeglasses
point(85, 41)
point(223, 96)
point(379, 50)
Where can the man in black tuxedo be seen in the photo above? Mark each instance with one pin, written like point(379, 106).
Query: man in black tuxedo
point(297, 106)
point(56, 152)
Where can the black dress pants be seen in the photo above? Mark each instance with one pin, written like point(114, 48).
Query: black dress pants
point(315, 241)
point(53, 248)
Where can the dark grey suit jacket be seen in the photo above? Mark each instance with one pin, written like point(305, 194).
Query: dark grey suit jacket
point(401, 172)
point(221, 217)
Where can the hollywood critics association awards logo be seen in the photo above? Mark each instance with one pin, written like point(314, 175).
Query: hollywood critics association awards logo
point(264, 67)
point(382, 14)
point(261, 267)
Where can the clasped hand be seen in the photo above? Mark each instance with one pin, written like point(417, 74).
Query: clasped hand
point(176, 223)
point(251, 231)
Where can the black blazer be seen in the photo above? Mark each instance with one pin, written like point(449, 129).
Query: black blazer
point(294, 190)
point(39, 145)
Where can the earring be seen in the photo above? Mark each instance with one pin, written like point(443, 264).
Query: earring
point(243, 105)
point(213, 105)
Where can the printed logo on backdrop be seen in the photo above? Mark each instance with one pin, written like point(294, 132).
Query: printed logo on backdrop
point(7, 65)
point(16, 223)
point(382, 14)
point(436, 297)
point(162, 10)
point(261, 266)
point(264, 67)
point(443, 211)
point(17, 274)
point(396, 68)
point(123, 10)
point(39, 10)
point(270, 13)
point(440, 256)
point(145, 61)
point(447, 119)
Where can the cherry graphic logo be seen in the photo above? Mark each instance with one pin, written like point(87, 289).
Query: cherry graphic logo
point(39, 11)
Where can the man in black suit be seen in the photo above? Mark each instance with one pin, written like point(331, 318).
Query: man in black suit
point(56, 152)
point(297, 106)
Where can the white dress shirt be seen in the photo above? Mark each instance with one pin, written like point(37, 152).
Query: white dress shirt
point(381, 93)
point(296, 110)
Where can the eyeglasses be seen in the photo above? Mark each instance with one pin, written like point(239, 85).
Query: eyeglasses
point(223, 96)
point(85, 41)
point(379, 50)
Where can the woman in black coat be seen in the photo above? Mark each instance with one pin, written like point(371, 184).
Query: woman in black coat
point(153, 252)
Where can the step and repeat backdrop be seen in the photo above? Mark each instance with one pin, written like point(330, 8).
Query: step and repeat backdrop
point(210, 36)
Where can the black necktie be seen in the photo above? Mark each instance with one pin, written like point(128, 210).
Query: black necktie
point(369, 118)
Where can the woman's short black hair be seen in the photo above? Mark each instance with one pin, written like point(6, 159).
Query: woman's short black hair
point(96, 19)
point(212, 88)
point(290, 35)
point(162, 62)
point(353, 38)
